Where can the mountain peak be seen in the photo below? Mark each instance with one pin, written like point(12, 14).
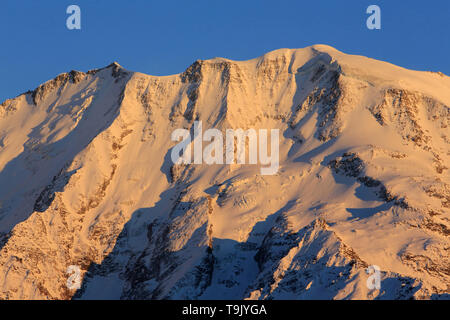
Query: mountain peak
point(114, 64)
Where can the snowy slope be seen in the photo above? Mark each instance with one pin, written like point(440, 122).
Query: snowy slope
point(86, 179)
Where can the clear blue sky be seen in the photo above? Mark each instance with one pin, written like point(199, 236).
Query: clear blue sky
point(165, 37)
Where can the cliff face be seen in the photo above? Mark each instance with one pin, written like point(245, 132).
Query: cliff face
point(86, 179)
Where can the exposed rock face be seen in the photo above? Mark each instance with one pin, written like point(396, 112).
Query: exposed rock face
point(86, 179)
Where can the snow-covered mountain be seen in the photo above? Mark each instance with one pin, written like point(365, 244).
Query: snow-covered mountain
point(86, 179)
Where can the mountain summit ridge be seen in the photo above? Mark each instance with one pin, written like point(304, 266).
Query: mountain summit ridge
point(317, 49)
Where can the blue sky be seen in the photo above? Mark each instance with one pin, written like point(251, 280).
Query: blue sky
point(165, 37)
